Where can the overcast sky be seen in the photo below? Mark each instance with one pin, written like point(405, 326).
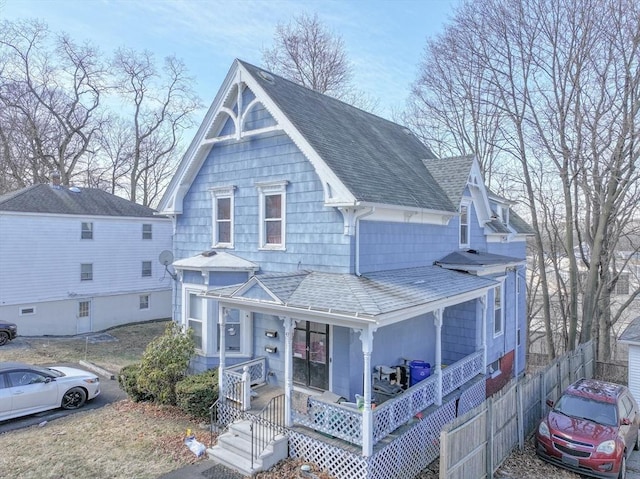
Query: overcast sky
point(384, 39)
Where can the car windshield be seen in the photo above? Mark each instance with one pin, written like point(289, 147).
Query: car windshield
point(596, 411)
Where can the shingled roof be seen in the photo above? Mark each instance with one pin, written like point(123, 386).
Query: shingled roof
point(367, 296)
point(47, 199)
point(377, 160)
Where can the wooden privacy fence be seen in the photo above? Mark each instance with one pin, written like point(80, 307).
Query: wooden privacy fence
point(475, 444)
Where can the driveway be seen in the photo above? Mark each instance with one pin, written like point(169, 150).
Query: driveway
point(109, 392)
point(633, 466)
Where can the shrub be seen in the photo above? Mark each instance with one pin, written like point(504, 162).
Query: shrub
point(165, 362)
point(128, 381)
point(196, 393)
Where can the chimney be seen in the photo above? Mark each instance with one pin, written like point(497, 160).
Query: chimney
point(55, 179)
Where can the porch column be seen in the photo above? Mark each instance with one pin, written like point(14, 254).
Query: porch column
point(222, 392)
point(438, 323)
point(366, 336)
point(483, 338)
point(289, 325)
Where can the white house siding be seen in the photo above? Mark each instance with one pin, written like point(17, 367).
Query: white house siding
point(40, 258)
point(634, 370)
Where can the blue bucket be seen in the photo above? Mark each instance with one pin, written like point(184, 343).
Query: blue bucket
point(419, 370)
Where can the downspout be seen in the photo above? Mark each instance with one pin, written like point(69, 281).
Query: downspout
point(357, 233)
point(516, 325)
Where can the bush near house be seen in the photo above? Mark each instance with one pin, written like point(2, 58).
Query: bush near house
point(164, 363)
point(195, 394)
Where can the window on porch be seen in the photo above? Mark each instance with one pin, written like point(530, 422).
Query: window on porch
point(195, 316)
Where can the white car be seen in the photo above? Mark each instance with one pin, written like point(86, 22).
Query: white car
point(27, 389)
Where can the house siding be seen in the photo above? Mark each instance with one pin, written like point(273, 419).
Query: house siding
point(40, 257)
point(460, 332)
point(314, 234)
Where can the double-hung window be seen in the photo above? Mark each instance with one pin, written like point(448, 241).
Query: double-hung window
point(464, 224)
point(195, 318)
point(272, 214)
point(498, 310)
point(86, 231)
point(146, 269)
point(86, 272)
point(223, 208)
point(147, 231)
point(144, 301)
point(237, 332)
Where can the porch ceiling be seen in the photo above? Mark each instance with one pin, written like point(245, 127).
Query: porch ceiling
point(380, 297)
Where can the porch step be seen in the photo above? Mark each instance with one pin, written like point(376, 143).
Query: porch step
point(234, 450)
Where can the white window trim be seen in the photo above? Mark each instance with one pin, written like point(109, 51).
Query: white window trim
point(216, 194)
point(150, 232)
point(187, 292)
point(81, 272)
point(89, 230)
point(266, 189)
point(465, 203)
point(502, 296)
point(148, 302)
point(142, 269)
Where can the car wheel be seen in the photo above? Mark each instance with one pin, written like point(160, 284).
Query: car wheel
point(4, 338)
point(74, 398)
point(623, 467)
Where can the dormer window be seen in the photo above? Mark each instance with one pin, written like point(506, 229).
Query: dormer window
point(465, 208)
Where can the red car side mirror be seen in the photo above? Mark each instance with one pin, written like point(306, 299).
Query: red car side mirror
point(625, 421)
point(550, 403)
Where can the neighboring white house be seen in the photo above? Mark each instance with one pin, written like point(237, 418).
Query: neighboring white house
point(631, 337)
point(76, 260)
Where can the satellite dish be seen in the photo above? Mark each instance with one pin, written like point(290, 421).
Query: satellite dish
point(166, 257)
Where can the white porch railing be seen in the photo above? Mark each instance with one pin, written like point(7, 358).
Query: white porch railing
point(459, 373)
point(239, 378)
point(345, 422)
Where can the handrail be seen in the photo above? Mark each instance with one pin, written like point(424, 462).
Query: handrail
point(265, 426)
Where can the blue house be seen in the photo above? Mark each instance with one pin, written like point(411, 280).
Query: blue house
point(325, 255)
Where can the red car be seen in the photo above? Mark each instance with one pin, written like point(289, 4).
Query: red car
point(591, 429)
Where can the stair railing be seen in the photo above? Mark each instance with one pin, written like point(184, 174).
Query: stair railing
point(266, 425)
point(225, 410)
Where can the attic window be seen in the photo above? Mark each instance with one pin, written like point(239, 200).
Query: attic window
point(265, 76)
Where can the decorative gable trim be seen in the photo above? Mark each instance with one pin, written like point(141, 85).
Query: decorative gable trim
point(479, 193)
point(230, 93)
point(253, 282)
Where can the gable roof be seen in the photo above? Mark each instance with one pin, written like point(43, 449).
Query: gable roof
point(47, 199)
point(452, 174)
point(364, 158)
point(377, 160)
point(381, 297)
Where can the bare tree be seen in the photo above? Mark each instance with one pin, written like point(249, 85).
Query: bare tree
point(161, 104)
point(307, 53)
point(563, 79)
point(50, 91)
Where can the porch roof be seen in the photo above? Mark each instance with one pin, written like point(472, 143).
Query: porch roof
point(215, 261)
point(382, 297)
point(478, 261)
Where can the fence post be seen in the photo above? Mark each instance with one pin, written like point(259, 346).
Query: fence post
point(520, 418)
point(490, 434)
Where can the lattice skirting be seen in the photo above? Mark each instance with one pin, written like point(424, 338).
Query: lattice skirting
point(403, 458)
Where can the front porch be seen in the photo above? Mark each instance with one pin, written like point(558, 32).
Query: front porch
point(406, 429)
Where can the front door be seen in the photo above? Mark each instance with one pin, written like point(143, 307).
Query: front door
point(311, 355)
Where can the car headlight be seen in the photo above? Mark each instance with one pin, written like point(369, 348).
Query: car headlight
point(91, 380)
point(607, 447)
point(543, 430)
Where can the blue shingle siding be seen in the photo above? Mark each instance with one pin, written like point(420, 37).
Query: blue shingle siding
point(459, 332)
point(192, 277)
point(275, 361)
point(226, 278)
point(412, 339)
point(308, 223)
